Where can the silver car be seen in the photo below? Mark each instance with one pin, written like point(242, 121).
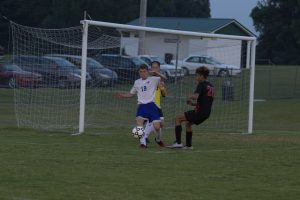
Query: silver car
point(192, 62)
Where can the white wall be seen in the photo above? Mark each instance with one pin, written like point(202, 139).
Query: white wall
point(130, 44)
point(156, 44)
point(226, 51)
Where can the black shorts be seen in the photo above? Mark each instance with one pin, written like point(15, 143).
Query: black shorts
point(196, 117)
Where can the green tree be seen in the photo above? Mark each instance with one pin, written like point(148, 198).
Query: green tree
point(178, 8)
point(66, 13)
point(278, 22)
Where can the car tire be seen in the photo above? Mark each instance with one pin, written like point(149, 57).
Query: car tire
point(185, 70)
point(62, 83)
point(12, 83)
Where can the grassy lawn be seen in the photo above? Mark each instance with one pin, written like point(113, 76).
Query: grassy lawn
point(110, 166)
point(105, 163)
point(277, 82)
point(277, 115)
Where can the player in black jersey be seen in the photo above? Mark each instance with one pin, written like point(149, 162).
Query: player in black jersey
point(202, 99)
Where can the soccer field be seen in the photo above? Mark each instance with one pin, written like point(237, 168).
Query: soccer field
point(107, 163)
point(36, 165)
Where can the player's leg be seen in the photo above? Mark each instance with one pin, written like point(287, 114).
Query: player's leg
point(141, 116)
point(148, 129)
point(189, 135)
point(187, 116)
point(157, 130)
point(158, 135)
point(154, 117)
point(198, 118)
point(139, 123)
point(178, 129)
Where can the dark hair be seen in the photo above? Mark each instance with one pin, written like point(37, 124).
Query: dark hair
point(143, 66)
point(155, 62)
point(204, 71)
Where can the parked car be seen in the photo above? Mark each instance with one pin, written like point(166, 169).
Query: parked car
point(13, 76)
point(125, 66)
point(100, 75)
point(192, 62)
point(169, 70)
point(56, 72)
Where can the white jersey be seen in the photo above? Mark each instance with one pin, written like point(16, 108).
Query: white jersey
point(145, 89)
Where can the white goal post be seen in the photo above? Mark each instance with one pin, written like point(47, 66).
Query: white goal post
point(250, 59)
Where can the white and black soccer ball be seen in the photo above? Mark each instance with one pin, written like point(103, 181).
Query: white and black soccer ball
point(138, 132)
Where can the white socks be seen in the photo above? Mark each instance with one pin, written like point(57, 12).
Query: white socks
point(150, 128)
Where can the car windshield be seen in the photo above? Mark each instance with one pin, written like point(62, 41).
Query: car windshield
point(156, 58)
point(94, 64)
point(12, 67)
point(213, 61)
point(138, 61)
point(64, 64)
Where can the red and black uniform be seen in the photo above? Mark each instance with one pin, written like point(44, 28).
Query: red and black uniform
point(205, 90)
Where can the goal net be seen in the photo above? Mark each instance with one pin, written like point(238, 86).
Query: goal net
point(73, 72)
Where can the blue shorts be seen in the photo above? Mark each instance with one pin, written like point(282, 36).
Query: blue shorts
point(148, 111)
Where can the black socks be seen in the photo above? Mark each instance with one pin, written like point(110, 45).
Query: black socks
point(178, 130)
point(188, 138)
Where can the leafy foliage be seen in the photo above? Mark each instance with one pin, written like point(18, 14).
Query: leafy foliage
point(278, 22)
point(65, 13)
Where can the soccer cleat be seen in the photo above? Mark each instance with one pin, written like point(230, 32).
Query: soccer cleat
point(188, 148)
point(142, 146)
point(160, 143)
point(175, 146)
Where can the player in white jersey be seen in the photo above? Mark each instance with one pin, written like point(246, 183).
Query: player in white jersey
point(145, 88)
point(160, 92)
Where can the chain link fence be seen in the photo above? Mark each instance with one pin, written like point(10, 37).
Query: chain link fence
point(277, 82)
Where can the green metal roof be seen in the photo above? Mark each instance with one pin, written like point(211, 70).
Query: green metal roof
point(206, 25)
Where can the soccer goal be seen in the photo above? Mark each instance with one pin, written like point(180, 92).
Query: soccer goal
point(74, 72)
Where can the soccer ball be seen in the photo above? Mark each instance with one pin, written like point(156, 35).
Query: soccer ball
point(138, 132)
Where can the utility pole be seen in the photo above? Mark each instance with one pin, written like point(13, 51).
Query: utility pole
point(143, 16)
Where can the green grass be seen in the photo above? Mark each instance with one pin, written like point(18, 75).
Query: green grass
point(277, 115)
point(110, 166)
point(277, 82)
point(105, 163)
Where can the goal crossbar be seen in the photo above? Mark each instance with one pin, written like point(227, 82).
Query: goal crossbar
point(167, 31)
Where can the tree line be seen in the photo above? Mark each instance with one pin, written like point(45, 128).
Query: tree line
point(277, 21)
point(66, 13)
point(278, 24)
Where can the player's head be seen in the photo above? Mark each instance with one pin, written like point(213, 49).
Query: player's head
point(143, 71)
point(155, 66)
point(202, 73)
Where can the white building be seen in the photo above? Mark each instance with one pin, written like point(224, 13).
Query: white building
point(165, 46)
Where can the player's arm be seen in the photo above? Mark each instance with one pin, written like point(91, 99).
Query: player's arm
point(162, 76)
point(162, 89)
point(130, 94)
point(123, 94)
point(191, 99)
